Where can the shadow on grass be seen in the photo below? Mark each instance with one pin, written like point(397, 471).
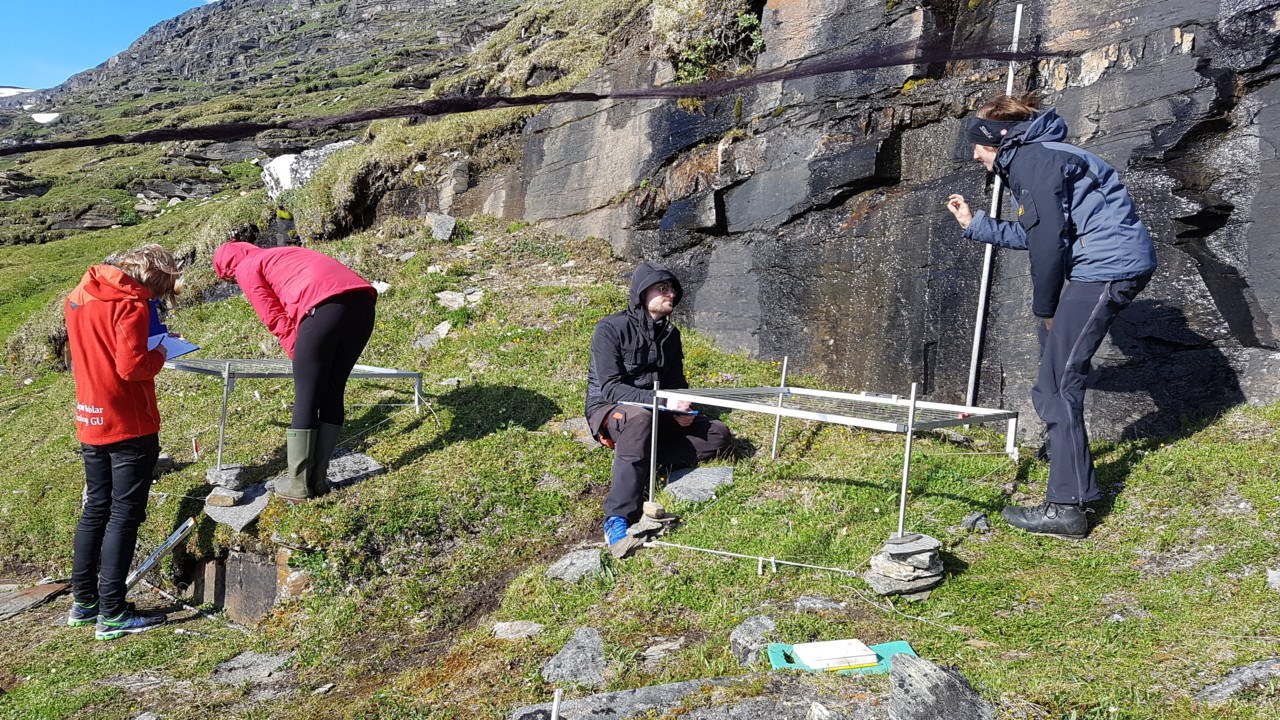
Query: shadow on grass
point(918, 490)
point(481, 410)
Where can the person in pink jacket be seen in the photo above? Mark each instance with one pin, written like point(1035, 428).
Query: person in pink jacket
point(322, 312)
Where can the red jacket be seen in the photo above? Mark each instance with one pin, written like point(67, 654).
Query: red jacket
point(107, 324)
point(284, 283)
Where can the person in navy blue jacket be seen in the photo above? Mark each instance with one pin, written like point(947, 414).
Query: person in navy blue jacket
point(1090, 256)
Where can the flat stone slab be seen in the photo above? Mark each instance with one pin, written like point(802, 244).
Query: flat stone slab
point(451, 299)
point(516, 630)
point(222, 497)
point(884, 565)
point(699, 484)
point(750, 638)
point(349, 468)
point(576, 565)
point(240, 516)
point(910, 544)
point(656, 700)
point(1239, 680)
point(580, 662)
point(231, 477)
point(814, 604)
point(1273, 580)
point(249, 667)
point(17, 601)
point(889, 586)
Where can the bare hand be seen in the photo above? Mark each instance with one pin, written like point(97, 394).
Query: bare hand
point(679, 405)
point(164, 351)
point(960, 210)
point(683, 420)
point(1048, 324)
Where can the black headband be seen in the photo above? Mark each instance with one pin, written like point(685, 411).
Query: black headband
point(981, 131)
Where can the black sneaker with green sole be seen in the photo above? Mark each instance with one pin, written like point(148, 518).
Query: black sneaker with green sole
point(129, 622)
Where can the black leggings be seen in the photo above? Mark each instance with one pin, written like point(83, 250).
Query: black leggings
point(330, 339)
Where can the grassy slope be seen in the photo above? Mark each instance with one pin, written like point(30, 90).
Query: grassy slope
point(485, 491)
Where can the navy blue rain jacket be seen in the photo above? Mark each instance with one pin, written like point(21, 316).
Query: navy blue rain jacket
point(629, 350)
point(1075, 217)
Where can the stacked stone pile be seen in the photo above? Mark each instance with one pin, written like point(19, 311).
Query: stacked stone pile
point(910, 566)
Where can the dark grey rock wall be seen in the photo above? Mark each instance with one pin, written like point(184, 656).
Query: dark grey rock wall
point(806, 217)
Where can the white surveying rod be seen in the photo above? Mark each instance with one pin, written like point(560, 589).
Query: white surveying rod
point(988, 257)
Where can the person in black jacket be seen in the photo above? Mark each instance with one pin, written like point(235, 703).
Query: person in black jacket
point(629, 350)
point(1078, 223)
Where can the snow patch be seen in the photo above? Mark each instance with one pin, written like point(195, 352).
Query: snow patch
point(45, 118)
point(11, 91)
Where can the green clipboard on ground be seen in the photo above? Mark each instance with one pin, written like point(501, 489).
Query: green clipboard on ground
point(781, 657)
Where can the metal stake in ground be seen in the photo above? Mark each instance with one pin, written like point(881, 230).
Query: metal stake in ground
point(988, 256)
point(906, 462)
point(653, 446)
point(777, 420)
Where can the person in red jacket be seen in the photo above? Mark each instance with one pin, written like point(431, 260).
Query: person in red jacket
point(118, 425)
point(322, 312)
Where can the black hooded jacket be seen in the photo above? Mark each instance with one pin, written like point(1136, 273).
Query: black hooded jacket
point(629, 350)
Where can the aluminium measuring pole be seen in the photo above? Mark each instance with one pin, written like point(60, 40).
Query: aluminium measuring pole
point(988, 257)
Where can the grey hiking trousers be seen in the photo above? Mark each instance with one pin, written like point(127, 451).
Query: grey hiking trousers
point(1083, 317)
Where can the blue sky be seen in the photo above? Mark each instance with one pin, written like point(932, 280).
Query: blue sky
point(47, 41)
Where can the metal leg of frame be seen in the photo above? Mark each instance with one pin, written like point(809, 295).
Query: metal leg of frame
point(417, 394)
point(906, 463)
point(777, 420)
point(653, 446)
point(1011, 439)
point(227, 382)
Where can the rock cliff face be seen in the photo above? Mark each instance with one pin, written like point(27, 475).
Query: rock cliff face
point(807, 217)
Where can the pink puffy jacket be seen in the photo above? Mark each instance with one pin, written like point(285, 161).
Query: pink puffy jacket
point(284, 283)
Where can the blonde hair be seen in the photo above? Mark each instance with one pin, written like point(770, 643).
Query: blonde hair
point(154, 267)
point(1010, 108)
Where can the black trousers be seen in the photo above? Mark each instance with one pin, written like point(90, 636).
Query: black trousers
point(330, 339)
point(118, 478)
point(1085, 313)
point(631, 429)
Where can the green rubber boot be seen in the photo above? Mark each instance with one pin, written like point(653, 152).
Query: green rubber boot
point(326, 443)
point(294, 485)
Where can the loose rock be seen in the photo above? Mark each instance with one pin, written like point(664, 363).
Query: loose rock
point(231, 477)
point(222, 497)
point(576, 565)
point(749, 639)
point(1240, 680)
point(814, 604)
point(516, 630)
point(580, 662)
point(249, 667)
point(699, 484)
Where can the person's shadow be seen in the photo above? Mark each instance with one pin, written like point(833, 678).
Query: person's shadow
point(1190, 383)
point(480, 410)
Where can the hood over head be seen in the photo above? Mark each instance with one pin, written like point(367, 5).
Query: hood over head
point(647, 274)
point(108, 283)
point(228, 257)
point(1044, 126)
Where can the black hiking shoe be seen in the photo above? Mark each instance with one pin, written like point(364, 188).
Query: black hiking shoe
point(1054, 519)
